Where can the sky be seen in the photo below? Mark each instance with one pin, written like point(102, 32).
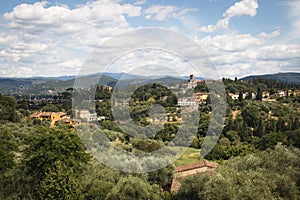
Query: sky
point(240, 37)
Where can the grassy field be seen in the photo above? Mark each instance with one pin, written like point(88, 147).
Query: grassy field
point(189, 156)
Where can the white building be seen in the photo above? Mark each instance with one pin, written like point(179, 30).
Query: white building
point(85, 114)
point(187, 102)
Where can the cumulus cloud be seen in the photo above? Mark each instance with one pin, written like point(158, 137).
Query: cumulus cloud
point(244, 7)
point(230, 42)
point(99, 18)
point(243, 54)
point(160, 13)
point(53, 39)
point(44, 35)
point(274, 34)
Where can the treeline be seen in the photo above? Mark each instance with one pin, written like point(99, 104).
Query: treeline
point(42, 163)
point(268, 85)
point(38, 162)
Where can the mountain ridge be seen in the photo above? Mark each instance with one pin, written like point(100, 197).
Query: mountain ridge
point(289, 77)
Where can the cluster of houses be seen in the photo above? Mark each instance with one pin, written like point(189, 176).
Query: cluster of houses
point(55, 117)
point(266, 95)
point(196, 98)
point(201, 97)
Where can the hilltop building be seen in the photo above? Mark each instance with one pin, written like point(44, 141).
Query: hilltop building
point(192, 83)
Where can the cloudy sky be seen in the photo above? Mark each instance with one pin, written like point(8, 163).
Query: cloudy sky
point(241, 37)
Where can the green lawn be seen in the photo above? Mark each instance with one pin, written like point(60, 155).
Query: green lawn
point(190, 156)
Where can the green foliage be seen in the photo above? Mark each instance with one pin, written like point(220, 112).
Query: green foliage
point(225, 149)
point(7, 148)
point(54, 160)
point(8, 107)
point(98, 180)
point(146, 145)
point(269, 141)
point(132, 188)
point(293, 138)
point(51, 108)
point(259, 94)
point(162, 177)
point(272, 174)
point(251, 114)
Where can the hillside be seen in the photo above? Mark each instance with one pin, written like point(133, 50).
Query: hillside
point(290, 77)
point(42, 85)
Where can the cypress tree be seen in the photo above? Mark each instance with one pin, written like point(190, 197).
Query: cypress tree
point(259, 94)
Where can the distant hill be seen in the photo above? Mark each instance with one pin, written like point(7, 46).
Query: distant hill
point(167, 80)
point(41, 85)
point(148, 80)
point(289, 77)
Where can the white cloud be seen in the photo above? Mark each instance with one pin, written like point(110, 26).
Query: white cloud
point(244, 7)
point(160, 13)
point(230, 42)
point(140, 2)
point(243, 54)
point(43, 36)
point(279, 52)
point(59, 19)
point(274, 34)
point(294, 18)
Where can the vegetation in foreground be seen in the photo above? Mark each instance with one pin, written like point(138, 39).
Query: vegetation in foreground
point(258, 153)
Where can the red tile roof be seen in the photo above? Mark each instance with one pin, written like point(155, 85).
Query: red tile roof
point(196, 165)
point(202, 164)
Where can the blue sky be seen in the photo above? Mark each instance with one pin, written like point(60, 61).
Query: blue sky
point(241, 37)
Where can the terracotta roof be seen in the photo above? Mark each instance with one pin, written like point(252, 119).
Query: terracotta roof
point(34, 115)
point(196, 165)
point(61, 113)
point(46, 114)
point(176, 183)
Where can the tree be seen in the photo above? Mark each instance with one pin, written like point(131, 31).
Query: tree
point(260, 128)
point(232, 136)
point(8, 108)
point(7, 147)
point(191, 186)
point(293, 138)
point(132, 188)
point(259, 94)
point(53, 161)
point(274, 173)
point(249, 94)
point(162, 177)
point(244, 132)
point(241, 96)
point(98, 181)
point(250, 115)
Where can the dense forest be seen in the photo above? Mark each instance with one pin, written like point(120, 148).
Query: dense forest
point(257, 152)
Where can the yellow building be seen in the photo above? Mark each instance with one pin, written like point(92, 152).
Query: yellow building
point(50, 116)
